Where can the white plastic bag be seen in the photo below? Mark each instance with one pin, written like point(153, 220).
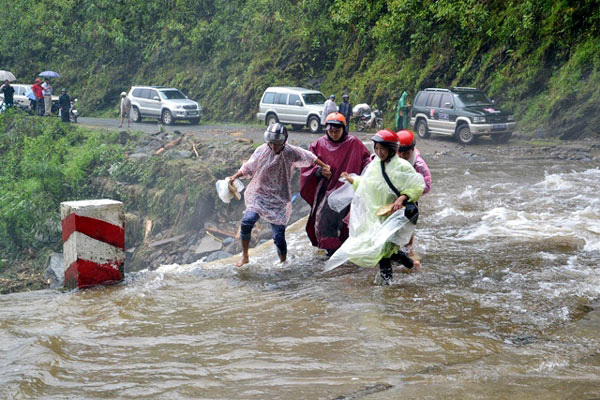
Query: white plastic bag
point(341, 197)
point(223, 190)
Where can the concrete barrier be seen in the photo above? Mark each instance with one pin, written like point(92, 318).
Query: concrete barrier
point(93, 234)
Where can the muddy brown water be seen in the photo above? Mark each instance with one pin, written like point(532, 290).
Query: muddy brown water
point(504, 307)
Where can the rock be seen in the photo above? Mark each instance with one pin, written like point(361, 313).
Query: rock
point(218, 255)
point(55, 271)
point(228, 240)
point(179, 154)
point(208, 244)
point(138, 156)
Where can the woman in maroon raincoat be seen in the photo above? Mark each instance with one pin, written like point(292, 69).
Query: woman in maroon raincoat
point(342, 152)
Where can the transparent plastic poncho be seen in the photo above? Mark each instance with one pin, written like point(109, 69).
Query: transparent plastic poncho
point(269, 193)
point(374, 237)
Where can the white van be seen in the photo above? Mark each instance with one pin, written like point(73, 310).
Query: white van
point(292, 105)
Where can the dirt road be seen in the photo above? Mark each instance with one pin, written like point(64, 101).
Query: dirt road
point(437, 146)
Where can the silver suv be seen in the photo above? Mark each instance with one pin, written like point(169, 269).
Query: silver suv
point(292, 105)
point(168, 104)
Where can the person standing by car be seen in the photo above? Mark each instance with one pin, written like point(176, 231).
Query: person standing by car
point(47, 92)
point(64, 102)
point(325, 227)
point(346, 110)
point(9, 92)
point(268, 195)
point(328, 108)
point(38, 91)
point(125, 109)
point(402, 112)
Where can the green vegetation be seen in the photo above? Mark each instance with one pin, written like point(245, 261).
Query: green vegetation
point(42, 163)
point(537, 57)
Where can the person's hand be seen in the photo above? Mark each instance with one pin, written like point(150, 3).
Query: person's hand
point(399, 203)
point(326, 171)
point(347, 177)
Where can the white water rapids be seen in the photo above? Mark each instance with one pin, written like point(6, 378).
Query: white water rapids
point(510, 255)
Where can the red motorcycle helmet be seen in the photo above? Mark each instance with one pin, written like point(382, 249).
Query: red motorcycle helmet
point(388, 139)
point(407, 140)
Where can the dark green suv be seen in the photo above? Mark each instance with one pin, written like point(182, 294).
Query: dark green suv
point(461, 112)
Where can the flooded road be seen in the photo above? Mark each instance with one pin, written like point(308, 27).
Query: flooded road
point(501, 309)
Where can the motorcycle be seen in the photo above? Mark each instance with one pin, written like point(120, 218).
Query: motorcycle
point(73, 113)
point(365, 118)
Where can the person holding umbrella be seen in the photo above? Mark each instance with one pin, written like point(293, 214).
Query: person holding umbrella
point(47, 92)
point(8, 91)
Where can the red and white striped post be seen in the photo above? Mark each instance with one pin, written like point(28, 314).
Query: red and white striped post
point(93, 234)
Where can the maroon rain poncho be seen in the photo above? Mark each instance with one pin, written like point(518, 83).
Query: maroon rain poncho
point(325, 227)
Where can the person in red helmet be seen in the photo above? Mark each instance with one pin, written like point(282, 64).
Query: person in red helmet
point(380, 220)
point(407, 151)
point(410, 153)
point(325, 227)
point(268, 195)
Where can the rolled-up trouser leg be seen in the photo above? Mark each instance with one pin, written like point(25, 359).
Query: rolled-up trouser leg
point(278, 232)
point(248, 221)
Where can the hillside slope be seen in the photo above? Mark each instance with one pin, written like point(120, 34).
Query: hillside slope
point(539, 58)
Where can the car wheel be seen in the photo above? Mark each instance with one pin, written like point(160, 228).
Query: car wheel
point(167, 117)
point(464, 135)
point(271, 119)
point(314, 124)
point(379, 124)
point(195, 121)
point(422, 129)
point(135, 114)
point(501, 138)
point(297, 127)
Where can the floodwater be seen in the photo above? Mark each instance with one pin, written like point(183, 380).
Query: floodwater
point(503, 308)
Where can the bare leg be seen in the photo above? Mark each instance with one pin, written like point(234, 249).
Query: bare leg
point(245, 259)
point(282, 257)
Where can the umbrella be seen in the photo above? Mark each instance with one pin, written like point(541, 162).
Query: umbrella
point(29, 94)
point(6, 75)
point(49, 74)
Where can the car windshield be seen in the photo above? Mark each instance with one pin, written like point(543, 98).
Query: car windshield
point(313, 98)
point(473, 98)
point(172, 94)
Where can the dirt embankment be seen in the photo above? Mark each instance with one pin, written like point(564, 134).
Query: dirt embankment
point(174, 215)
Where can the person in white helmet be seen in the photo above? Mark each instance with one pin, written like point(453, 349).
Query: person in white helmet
point(268, 195)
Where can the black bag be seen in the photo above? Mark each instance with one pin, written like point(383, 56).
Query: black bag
point(411, 210)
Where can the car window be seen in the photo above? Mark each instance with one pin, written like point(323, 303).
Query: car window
point(144, 93)
point(446, 98)
point(474, 98)
point(434, 101)
point(281, 98)
point(421, 99)
point(268, 98)
point(314, 98)
point(172, 94)
point(152, 94)
point(293, 98)
point(137, 93)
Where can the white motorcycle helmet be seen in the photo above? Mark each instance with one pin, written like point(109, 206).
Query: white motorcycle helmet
point(276, 134)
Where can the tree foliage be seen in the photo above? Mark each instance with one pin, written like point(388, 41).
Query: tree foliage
point(535, 56)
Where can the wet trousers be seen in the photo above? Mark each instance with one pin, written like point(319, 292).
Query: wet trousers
point(278, 231)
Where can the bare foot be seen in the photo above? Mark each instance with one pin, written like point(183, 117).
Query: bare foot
point(243, 261)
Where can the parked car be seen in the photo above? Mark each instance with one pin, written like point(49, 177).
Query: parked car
point(168, 104)
point(292, 105)
point(463, 112)
point(23, 102)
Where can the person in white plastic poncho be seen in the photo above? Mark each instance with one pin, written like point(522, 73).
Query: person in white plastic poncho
point(269, 194)
point(383, 213)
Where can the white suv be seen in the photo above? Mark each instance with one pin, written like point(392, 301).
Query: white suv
point(168, 104)
point(292, 105)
